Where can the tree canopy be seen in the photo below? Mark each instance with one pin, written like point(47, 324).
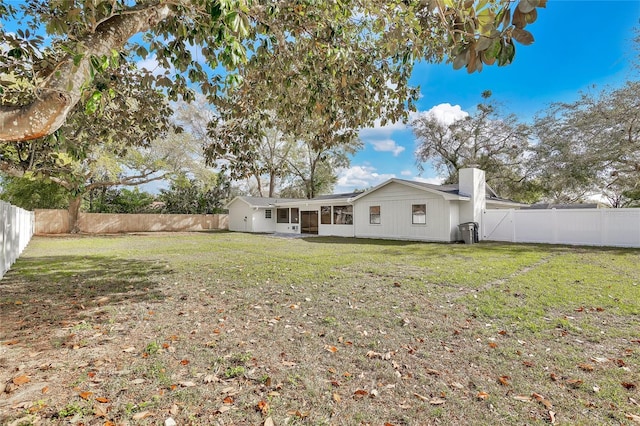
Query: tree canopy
point(347, 62)
point(489, 139)
point(591, 147)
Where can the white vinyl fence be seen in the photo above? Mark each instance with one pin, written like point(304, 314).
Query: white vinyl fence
point(17, 229)
point(592, 227)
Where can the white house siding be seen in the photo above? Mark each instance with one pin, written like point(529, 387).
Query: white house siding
point(454, 220)
point(260, 224)
point(288, 228)
point(337, 230)
point(238, 210)
point(395, 201)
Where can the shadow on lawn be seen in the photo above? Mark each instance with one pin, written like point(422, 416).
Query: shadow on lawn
point(47, 291)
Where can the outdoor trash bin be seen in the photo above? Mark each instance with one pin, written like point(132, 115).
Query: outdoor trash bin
point(469, 232)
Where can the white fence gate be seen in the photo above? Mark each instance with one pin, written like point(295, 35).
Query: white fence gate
point(17, 229)
point(593, 227)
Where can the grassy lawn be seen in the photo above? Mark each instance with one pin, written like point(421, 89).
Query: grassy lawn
point(227, 328)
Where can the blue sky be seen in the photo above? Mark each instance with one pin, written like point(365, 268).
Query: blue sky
point(578, 44)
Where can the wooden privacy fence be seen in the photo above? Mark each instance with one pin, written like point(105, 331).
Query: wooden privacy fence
point(57, 222)
point(17, 229)
point(592, 227)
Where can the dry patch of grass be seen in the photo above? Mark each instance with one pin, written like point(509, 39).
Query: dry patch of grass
point(228, 328)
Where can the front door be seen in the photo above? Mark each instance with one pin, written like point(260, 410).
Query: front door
point(309, 222)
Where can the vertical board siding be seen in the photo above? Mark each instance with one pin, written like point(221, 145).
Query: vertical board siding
point(395, 201)
point(592, 227)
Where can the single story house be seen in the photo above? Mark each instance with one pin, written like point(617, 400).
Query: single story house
point(396, 209)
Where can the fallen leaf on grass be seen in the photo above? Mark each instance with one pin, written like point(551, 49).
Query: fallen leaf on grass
point(633, 417)
point(45, 389)
point(504, 380)
point(187, 384)
point(98, 411)
point(137, 381)
point(493, 345)
point(437, 401)
point(228, 400)
point(432, 372)
point(21, 380)
point(482, 396)
point(542, 400)
point(141, 415)
point(269, 422)
point(109, 423)
point(628, 385)
point(298, 413)
point(522, 398)
point(129, 349)
point(331, 349)
point(586, 367)
point(263, 407)
point(85, 395)
point(528, 364)
point(336, 397)
point(552, 417)
point(574, 383)
point(102, 399)
point(11, 342)
point(360, 393)
point(184, 362)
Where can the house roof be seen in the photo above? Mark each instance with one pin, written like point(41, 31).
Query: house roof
point(260, 202)
point(449, 192)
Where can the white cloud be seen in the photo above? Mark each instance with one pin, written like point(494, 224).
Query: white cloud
point(359, 177)
point(406, 173)
point(446, 113)
point(152, 65)
point(387, 145)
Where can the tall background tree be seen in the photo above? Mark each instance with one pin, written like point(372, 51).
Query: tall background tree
point(591, 147)
point(488, 139)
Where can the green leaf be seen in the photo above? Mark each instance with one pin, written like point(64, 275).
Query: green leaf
point(233, 21)
point(93, 103)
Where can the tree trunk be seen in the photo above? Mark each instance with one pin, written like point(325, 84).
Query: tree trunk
point(74, 212)
point(272, 184)
point(61, 90)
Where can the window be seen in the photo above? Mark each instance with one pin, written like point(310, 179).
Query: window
point(419, 214)
point(343, 215)
point(374, 215)
point(283, 215)
point(267, 214)
point(294, 215)
point(325, 215)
